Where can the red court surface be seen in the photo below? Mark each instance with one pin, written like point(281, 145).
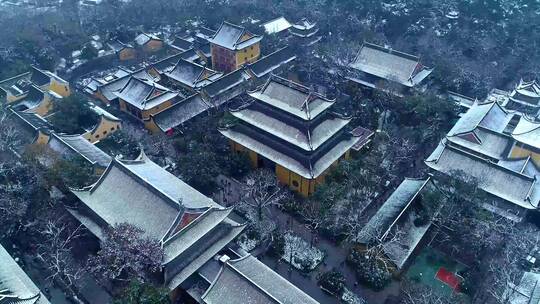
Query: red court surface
point(448, 278)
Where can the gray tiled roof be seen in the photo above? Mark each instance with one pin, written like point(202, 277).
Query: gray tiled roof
point(500, 181)
point(191, 74)
point(182, 44)
point(391, 65)
point(230, 86)
point(39, 77)
point(527, 131)
point(33, 120)
point(271, 62)
point(144, 93)
point(141, 193)
point(229, 36)
point(312, 171)
point(292, 97)
point(303, 138)
point(15, 285)
point(527, 291)
point(180, 112)
point(68, 145)
point(247, 280)
point(390, 211)
point(490, 116)
point(207, 246)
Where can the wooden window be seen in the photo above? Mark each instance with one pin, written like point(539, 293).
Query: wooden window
point(295, 184)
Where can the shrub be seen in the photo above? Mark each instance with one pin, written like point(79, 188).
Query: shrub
point(333, 281)
point(369, 270)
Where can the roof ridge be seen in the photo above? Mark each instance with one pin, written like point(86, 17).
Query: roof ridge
point(201, 217)
point(390, 51)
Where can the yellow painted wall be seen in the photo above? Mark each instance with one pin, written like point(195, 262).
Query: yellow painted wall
point(59, 87)
point(42, 138)
point(303, 186)
point(253, 157)
point(12, 98)
point(522, 152)
point(151, 126)
point(165, 105)
point(44, 106)
point(248, 55)
point(146, 113)
point(105, 128)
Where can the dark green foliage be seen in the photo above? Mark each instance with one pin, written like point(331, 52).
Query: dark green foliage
point(238, 165)
point(277, 248)
point(89, 52)
point(333, 281)
point(199, 168)
point(143, 293)
point(72, 115)
point(74, 173)
point(120, 143)
point(369, 269)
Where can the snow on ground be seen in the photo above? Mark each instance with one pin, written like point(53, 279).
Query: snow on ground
point(246, 243)
point(300, 254)
point(350, 297)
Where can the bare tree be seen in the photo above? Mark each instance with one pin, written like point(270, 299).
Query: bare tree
point(9, 136)
point(413, 293)
point(261, 190)
point(126, 254)
point(55, 252)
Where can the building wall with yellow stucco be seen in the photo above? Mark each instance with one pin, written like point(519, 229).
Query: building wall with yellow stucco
point(145, 114)
point(522, 151)
point(105, 128)
point(60, 87)
point(42, 138)
point(10, 98)
point(44, 107)
point(295, 182)
point(248, 55)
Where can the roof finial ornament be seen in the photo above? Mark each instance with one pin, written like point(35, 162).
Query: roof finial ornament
point(142, 155)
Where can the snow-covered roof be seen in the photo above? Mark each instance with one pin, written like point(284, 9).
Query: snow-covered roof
point(191, 74)
point(304, 138)
point(496, 179)
point(390, 65)
point(490, 116)
point(233, 37)
point(32, 120)
point(267, 64)
point(144, 93)
point(226, 87)
point(310, 171)
point(15, 285)
point(277, 25)
point(527, 132)
point(69, 145)
point(247, 280)
point(292, 97)
point(180, 112)
point(191, 227)
point(381, 223)
point(144, 38)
